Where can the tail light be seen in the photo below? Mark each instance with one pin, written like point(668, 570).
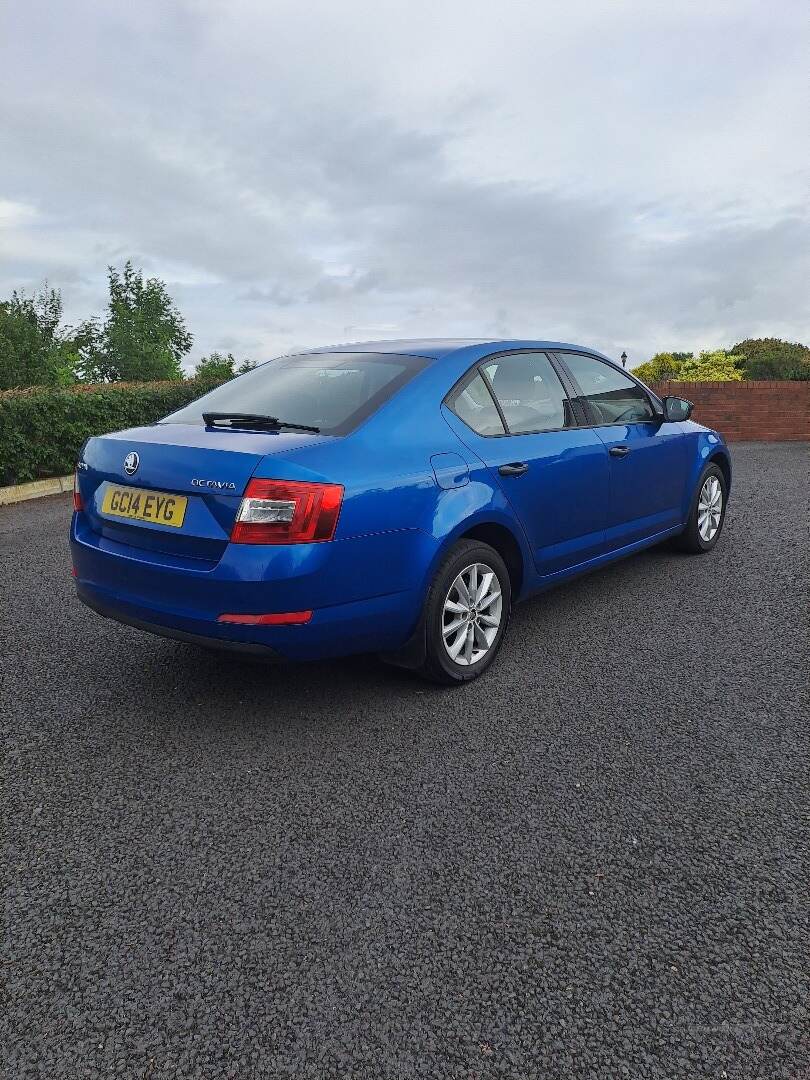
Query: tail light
point(78, 501)
point(287, 512)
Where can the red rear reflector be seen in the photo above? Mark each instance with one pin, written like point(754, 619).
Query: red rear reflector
point(279, 618)
point(287, 512)
point(78, 502)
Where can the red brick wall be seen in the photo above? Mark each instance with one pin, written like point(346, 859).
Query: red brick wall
point(749, 411)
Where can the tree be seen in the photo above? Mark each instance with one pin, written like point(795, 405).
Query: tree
point(34, 349)
point(215, 368)
point(219, 368)
point(85, 344)
point(772, 358)
point(717, 366)
point(144, 336)
point(662, 366)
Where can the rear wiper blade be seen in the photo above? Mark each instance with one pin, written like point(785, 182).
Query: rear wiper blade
point(252, 420)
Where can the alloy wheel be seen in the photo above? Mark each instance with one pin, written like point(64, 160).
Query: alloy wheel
point(472, 613)
point(710, 508)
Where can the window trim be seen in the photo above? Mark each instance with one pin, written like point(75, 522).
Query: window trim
point(653, 402)
point(478, 367)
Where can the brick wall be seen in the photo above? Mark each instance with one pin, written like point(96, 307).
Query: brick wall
point(748, 411)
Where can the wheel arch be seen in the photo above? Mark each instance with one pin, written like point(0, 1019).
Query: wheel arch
point(721, 459)
point(504, 541)
point(488, 531)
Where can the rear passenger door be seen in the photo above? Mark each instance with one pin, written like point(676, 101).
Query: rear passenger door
point(648, 457)
point(513, 411)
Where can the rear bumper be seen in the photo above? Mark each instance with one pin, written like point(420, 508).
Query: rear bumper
point(361, 593)
point(119, 613)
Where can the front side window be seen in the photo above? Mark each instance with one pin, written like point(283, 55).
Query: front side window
point(331, 391)
point(472, 403)
point(613, 398)
point(529, 392)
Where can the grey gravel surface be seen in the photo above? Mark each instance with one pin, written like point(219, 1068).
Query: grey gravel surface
point(590, 863)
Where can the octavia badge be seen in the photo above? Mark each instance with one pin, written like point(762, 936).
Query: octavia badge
point(131, 463)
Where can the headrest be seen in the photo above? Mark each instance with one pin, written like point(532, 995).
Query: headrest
point(514, 381)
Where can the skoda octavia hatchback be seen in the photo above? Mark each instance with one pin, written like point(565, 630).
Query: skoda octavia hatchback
point(394, 497)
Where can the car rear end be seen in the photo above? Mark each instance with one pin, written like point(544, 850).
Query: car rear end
point(256, 540)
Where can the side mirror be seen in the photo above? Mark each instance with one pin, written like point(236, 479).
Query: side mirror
point(677, 409)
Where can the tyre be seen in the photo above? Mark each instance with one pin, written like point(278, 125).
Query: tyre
point(466, 613)
point(707, 515)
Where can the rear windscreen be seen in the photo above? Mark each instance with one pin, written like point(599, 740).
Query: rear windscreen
point(330, 391)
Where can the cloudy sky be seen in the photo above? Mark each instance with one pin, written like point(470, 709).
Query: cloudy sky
point(622, 174)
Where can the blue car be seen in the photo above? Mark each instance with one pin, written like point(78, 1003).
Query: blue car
point(390, 497)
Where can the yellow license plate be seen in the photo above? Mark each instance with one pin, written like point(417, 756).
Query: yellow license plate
point(138, 504)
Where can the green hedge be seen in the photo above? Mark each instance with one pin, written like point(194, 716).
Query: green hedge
point(42, 429)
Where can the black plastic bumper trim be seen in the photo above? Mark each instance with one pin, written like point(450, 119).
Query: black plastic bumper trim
point(245, 648)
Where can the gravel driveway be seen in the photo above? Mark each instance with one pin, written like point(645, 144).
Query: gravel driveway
point(593, 862)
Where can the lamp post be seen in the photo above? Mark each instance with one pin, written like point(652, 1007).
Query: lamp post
point(624, 359)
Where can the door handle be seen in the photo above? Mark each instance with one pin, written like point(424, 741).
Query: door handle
point(619, 451)
point(514, 468)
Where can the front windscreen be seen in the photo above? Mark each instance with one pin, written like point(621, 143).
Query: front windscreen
point(331, 391)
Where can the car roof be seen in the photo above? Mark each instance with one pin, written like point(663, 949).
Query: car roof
point(438, 348)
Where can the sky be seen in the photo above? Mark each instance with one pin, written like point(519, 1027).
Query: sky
point(624, 175)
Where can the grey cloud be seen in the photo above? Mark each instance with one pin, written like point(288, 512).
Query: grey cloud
point(294, 178)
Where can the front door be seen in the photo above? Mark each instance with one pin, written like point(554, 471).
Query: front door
point(514, 413)
point(648, 456)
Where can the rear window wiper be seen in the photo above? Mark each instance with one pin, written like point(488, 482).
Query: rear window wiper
point(252, 421)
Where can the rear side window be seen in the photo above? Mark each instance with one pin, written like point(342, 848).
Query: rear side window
point(472, 403)
point(330, 391)
point(529, 392)
point(612, 397)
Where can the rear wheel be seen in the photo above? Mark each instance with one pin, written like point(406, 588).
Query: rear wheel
point(466, 613)
point(707, 515)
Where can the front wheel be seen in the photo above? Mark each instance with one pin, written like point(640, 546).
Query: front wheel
point(466, 613)
point(707, 515)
